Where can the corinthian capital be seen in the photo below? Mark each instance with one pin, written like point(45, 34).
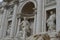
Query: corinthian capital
point(16, 1)
point(4, 4)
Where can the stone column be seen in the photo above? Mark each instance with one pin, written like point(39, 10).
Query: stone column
point(58, 15)
point(43, 17)
point(19, 20)
point(14, 21)
point(35, 20)
point(4, 23)
point(39, 17)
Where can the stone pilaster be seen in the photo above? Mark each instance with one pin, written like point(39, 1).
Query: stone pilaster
point(39, 17)
point(14, 21)
point(4, 23)
point(58, 15)
point(43, 17)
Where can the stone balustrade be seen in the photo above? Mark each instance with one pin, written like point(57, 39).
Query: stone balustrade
point(19, 36)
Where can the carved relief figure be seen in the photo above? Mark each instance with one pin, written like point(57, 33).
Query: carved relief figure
point(25, 27)
point(8, 31)
point(9, 27)
point(50, 22)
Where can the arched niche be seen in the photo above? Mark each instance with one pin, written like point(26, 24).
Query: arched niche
point(28, 11)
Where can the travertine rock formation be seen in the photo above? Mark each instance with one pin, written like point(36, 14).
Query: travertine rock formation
point(39, 37)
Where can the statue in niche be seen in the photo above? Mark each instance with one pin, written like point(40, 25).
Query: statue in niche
point(8, 31)
point(51, 22)
point(25, 25)
point(9, 28)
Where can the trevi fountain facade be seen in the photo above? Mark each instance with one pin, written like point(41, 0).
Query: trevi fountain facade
point(30, 20)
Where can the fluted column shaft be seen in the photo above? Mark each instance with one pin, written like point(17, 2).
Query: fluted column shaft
point(14, 22)
point(19, 21)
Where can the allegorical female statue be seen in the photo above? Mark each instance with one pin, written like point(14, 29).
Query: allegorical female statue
point(51, 22)
point(8, 31)
point(25, 27)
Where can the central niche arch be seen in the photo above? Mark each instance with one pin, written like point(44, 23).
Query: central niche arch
point(27, 10)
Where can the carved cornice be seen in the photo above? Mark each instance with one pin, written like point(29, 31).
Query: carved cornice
point(50, 4)
point(16, 2)
point(7, 0)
